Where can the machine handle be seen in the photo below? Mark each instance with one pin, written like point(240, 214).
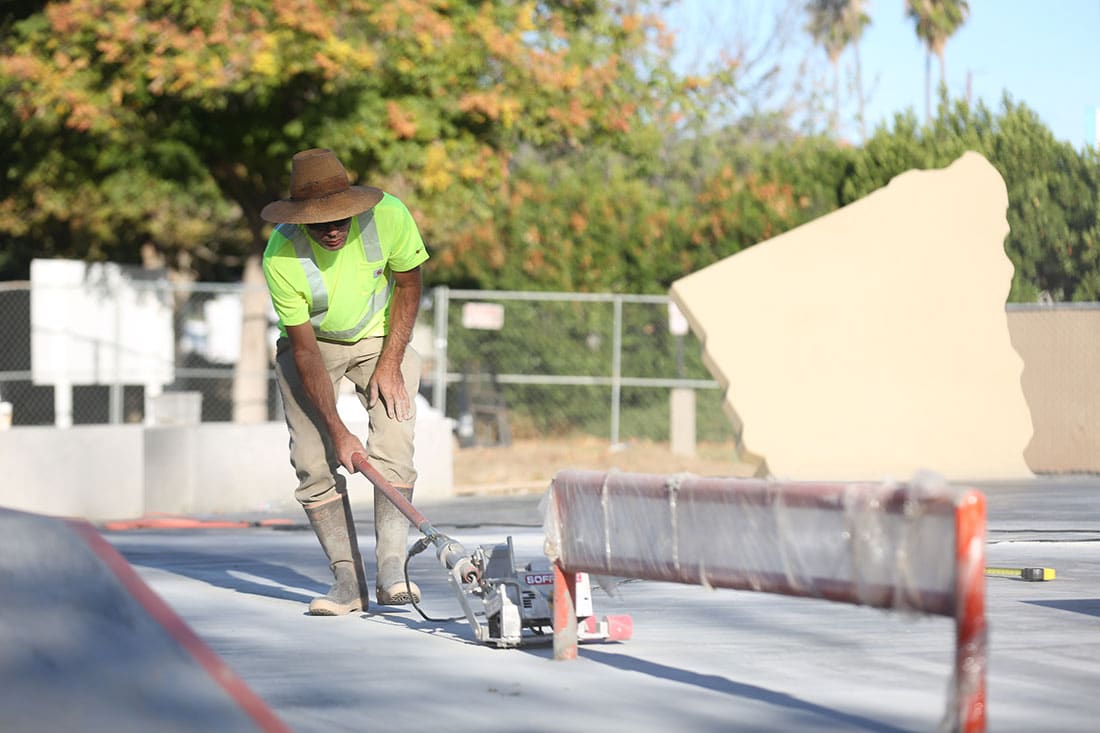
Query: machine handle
point(452, 554)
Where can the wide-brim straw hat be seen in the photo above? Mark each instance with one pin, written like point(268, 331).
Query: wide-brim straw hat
point(320, 192)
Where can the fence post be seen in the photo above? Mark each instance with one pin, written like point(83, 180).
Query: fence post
point(616, 369)
point(439, 385)
point(681, 427)
point(114, 391)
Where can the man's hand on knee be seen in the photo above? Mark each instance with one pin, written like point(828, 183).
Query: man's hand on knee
point(388, 384)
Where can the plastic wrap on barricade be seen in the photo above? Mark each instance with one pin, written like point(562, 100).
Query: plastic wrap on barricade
point(916, 547)
point(879, 545)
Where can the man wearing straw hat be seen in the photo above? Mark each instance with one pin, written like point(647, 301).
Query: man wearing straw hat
point(343, 270)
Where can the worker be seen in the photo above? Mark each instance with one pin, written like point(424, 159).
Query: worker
point(343, 269)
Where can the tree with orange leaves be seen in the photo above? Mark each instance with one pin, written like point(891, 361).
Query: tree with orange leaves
point(165, 126)
point(208, 100)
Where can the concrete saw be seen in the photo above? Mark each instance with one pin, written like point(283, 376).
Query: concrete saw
point(506, 605)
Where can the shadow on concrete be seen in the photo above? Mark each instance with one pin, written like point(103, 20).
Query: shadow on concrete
point(452, 628)
point(240, 574)
point(725, 686)
point(1087, 606)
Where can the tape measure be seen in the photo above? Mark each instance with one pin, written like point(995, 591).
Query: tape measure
point(1023, 573)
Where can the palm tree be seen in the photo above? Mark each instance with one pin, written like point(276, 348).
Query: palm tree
point(856, 19)
point(834, 25)
point(935, 22)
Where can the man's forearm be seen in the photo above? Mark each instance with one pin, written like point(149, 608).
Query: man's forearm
point(318, 387)
point(403, 310)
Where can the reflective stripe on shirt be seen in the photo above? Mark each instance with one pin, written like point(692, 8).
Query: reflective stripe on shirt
point(372, 249)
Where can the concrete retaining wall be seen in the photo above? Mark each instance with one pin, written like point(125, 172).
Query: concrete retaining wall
point(93, 471)
point(125, 471)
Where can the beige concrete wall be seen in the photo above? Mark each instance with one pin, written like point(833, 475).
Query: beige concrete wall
point(873, 342)
point(1061, 381)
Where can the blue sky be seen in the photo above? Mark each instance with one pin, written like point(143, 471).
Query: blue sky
point(1044, 53)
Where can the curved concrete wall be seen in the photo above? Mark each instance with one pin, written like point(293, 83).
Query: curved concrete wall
point(873, 342)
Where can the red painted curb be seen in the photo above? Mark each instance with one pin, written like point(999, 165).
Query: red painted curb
point(233, 685)
point(189, 523)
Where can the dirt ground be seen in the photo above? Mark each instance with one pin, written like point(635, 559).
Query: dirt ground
point(527, 466)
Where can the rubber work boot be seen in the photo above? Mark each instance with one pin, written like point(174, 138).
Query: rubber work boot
point(333, 524)
point(391, 535)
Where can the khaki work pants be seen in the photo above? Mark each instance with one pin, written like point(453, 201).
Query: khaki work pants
point(389, 442)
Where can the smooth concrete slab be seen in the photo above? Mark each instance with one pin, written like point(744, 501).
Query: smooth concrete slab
point(699, 660)
point(86, 646)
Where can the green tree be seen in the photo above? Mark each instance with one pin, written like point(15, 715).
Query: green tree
point(935, 22)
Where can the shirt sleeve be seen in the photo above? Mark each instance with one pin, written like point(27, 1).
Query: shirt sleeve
point(406, 249)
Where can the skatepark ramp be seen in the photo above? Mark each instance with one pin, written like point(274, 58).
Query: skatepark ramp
point(88, 646)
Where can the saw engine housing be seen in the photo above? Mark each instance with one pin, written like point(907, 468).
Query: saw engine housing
point(518, 602)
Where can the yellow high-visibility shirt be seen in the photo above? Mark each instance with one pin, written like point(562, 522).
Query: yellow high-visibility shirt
point(345, 294)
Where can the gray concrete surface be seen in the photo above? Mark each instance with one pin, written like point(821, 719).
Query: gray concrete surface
point(699, 660)
point(86, 646)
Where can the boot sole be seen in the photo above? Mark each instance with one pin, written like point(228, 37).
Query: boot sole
point(334, 609)
point(400, 598)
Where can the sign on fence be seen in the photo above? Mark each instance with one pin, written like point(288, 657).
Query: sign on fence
point(484, 316)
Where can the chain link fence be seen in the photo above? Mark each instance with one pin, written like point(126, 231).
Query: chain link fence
point(527, 364)
point(502, 365)
point(75, 356)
